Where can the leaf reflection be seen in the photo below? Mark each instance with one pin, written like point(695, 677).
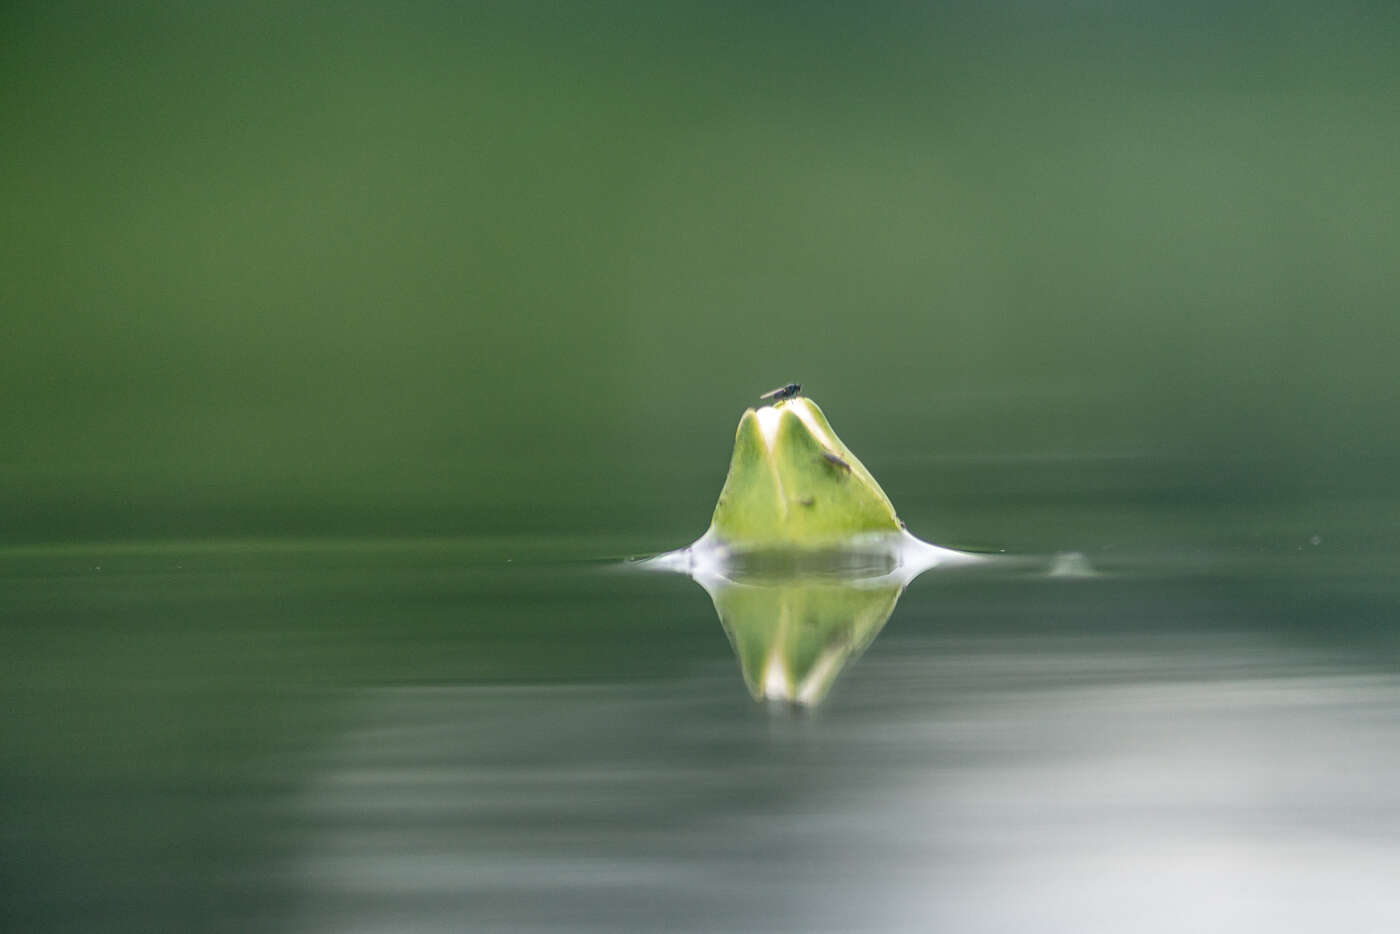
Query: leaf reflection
point(796, 618)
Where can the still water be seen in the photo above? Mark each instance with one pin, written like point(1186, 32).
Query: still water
point(521, 735)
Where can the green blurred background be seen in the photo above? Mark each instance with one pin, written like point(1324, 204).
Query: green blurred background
point(285, 269)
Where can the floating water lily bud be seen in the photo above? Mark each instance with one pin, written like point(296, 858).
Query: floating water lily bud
point(792, 482)
point(805, 557)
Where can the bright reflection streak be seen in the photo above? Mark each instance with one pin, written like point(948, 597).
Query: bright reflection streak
point(980, 784)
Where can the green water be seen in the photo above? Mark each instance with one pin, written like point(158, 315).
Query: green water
point(438, 736)
point(346, 352)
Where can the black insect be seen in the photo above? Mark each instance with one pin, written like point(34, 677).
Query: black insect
point(782, 392)
point(836, 461)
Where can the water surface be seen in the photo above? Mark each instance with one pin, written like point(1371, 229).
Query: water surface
point(490, 735)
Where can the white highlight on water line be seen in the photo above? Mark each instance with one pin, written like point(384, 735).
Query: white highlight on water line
point(710, 558)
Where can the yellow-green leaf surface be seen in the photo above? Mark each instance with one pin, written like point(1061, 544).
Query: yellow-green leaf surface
point(793, 483)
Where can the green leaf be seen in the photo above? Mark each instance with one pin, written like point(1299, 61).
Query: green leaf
point(793, 483)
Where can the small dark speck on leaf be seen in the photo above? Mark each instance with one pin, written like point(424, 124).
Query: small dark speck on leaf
point(808, 501)
point(836, 461)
